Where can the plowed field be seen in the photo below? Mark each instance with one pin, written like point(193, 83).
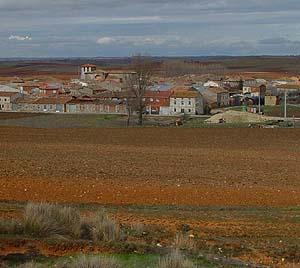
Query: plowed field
point(151, 166)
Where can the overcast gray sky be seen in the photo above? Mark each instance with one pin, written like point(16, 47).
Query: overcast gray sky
point(50, 28)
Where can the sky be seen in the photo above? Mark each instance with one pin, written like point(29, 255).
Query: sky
point(117, 28)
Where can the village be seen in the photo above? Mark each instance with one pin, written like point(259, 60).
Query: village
point(97, 91)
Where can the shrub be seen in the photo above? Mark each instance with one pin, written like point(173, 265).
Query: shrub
point(93, 262)
point(175, 260)
point(32, 265)
point(10, 226)
point(183, 241)
point(104, 229)
point(138, 229)
point(46, 220)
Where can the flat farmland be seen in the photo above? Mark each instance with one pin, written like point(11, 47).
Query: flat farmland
point(151, 166)
point(238, 190)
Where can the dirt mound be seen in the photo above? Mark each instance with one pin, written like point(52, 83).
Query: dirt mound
point(236, 117)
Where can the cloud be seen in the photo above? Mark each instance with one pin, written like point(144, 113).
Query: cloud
point(160, 27)
point(278, 41)
point(20, 38)
point(105, 40)
point(141, 40)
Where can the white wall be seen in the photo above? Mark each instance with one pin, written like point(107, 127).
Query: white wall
point(182, 105)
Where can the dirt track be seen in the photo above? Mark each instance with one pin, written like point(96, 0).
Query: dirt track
point(151, 166)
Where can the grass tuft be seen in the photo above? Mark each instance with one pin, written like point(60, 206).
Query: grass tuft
point(184, 242)
point(175, 260)
point(10, 226)
point(104, 229)
point(31, 265)
point(93, 262)
point(44, 220)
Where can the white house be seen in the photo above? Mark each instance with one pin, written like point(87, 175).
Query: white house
point(211, 84)
point(6, 99)
point(185, 101)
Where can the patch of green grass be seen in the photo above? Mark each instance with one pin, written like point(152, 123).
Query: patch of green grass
point(67, 121)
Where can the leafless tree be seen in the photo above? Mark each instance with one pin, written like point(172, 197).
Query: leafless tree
point(137, 84)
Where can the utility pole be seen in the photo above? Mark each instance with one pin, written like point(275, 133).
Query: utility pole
point(259, 102)
point(285, 104)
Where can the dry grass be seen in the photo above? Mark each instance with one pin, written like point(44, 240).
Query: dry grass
point(46, 220)
point(32, 265)
point(184, 241)
point(175, 260)
point(104, 229)
point(10, 226)
point(93, 262)
point(138, 228)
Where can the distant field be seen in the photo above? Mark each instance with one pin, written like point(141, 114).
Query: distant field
point(68, 68)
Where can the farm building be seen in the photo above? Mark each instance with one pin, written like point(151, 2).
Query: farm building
point(6, 99)
point(157, 102)
point(216, 97)
point(46, 105)
point(185, 100)
point(52, 105)
point(91, 105)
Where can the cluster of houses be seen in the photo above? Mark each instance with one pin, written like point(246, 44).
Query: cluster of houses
point(98, 91)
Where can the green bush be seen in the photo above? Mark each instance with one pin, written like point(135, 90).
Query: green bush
point(46, 220)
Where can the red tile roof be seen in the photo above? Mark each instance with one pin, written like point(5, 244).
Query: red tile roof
point(60, 100)
point(88, 65)
point(157, 94)
point(185, 94)
point(7, 94)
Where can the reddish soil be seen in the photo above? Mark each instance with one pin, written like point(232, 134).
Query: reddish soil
point(151, 166)
point(162, 166)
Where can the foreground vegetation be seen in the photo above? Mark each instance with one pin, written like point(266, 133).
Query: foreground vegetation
point(66, 231)
point(61, 223)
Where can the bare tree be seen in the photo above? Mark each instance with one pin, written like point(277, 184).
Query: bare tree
point(137, 84)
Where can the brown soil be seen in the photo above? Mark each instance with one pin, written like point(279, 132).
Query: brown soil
point(151, 166)
point(161, 166)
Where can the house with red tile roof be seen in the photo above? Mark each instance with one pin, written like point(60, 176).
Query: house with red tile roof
point(157, 102)
point(186, 100)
